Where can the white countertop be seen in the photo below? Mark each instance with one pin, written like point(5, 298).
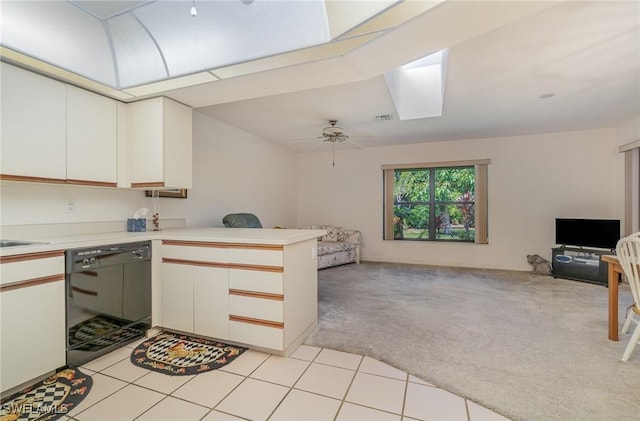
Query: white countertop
point(222, 235)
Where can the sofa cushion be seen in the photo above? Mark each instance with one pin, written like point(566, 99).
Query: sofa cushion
point(332, 232)
point(329, 247)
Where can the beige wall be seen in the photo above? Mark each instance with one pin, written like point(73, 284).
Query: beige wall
point(532, 180)
point(30, 203)
point(234, 171)
point(629, 132)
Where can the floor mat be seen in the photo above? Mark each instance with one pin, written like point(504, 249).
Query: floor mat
point(49, 399)
point(182, 355)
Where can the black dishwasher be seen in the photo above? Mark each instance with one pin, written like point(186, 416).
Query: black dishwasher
point(108, 291)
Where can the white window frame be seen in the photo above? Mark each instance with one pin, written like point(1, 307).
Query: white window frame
point(631, 186)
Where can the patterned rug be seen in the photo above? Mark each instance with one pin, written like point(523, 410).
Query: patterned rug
point(181, 355)
point(96, 331)
point(49, 399)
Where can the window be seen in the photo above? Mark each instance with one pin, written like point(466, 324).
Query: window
point(436, 201)
point(632, 187)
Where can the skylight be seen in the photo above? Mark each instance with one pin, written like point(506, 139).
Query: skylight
point(417, 88)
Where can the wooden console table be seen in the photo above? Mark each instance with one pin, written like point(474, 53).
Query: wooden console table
point(615, 270)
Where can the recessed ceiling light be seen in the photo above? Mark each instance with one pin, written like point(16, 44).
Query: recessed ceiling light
point(546, 96)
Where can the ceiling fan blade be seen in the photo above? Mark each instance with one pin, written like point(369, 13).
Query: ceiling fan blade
point(299, 139)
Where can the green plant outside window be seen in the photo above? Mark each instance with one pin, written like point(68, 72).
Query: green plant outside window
point(434, 204)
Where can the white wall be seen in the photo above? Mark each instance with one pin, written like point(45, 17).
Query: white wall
point(629, 132)
point(532, 180)
point(234, 171)
point(30, 203)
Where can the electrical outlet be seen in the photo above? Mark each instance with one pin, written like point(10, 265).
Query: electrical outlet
point(69, 205)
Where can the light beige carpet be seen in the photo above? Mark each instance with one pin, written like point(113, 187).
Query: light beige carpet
point(527, 346)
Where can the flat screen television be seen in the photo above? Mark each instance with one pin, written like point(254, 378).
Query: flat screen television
point(598, 233)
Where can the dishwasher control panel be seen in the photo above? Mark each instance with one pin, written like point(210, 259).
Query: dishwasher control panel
point(78, 260)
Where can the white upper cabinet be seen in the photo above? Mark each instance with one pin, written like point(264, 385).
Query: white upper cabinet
point(33, 119)
point(161, 144)
point(92, 152)
point(52, 132)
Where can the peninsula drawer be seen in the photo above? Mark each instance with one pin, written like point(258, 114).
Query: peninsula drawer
point(201, 252)
point(252, 333)
point(256, 255)
point(256, 280)
point(241, 303)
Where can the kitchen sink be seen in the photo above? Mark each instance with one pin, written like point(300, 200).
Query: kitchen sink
point(13, 243)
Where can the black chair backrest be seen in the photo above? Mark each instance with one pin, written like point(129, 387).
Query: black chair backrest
point(241, 220)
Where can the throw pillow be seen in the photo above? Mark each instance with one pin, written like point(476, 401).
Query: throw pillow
point(332, 233)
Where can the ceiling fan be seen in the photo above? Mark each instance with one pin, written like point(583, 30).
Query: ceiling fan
point(333, 133)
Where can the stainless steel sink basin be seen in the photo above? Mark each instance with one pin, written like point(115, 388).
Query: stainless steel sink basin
point(13, 243)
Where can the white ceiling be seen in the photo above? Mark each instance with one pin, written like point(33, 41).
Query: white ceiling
point(586, 54)
point(502, 57)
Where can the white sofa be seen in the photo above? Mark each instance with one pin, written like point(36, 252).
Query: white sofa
point(338, 246)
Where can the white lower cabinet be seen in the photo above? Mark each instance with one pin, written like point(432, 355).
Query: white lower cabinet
point(194, 297)
point(236, 292)
point(177, 296)
point(211, 301)
point(32, 317)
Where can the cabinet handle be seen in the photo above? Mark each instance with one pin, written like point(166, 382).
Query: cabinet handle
point(259, 322)
point(253, 294)
point(31, 282)
point(84, 291)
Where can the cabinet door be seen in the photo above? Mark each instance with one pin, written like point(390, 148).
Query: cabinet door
point(178, 159)
point(177, 297)
point(33, 134)
point(161, 144)
point(147, 143)
point(211, 302)
point(91, 138)
point(33, 332)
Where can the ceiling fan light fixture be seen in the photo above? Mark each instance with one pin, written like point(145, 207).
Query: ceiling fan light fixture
point(333, 130)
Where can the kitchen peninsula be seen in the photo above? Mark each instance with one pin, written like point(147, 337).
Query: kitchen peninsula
point(250, 286)
point(253, 287)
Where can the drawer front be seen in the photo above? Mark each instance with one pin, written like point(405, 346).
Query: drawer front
point(256, 308)
point(260, 257)
point(256, 335)
point(256, 280)
point(197, 253)
point(31, 269)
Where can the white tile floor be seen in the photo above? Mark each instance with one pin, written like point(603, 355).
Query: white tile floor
point(312, 384)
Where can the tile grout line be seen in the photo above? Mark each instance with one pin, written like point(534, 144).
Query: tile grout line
point(342, 401)
point(344, 397)
point(310, 363)
point(290, 387)
point(404, 396)
point(236, 386)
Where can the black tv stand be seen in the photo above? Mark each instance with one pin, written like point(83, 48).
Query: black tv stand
point(579, 264)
